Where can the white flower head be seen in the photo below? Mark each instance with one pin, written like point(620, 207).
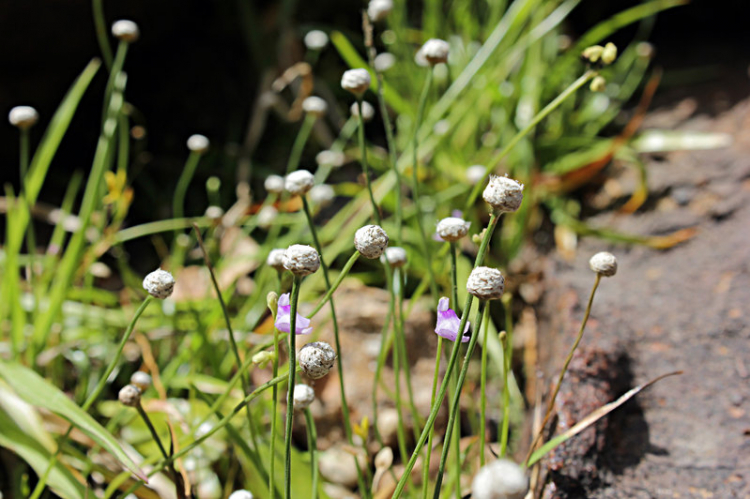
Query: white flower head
point(475, 174)
point(322, 194)
point(503, 194)
point(315, 105)
point(356, 81)
point(316, 359)
point(241, 494)
point(301, 260)
point(500, 479)
point(141, 380)
point(435, 51)
point(274, 184)
point(371, 241)
point(23, 117)
point(385, 61)
point(126, 31)
point(377, 10)
point(159, 284)
point(299, 182)
point(486, 283)
point(316, 40)
point(129, 395)
point(368, 112)
point(303, 396)
point(452, 228)
point(276, 259)
point(604, 263)
point(335, 159)
point(198, 143)
point(394, 255)
point(214, 212)
point(266, 216)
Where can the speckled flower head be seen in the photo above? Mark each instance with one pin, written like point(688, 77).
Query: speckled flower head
point(126, 31)
point(486, 283)
point(276, 259)
point(368, 112)
point(475, 174)
point(129, 395)
point(395, 255)
point(503, 194)
point(500, 479)
point(452, 228)
point(448, 322)
point(316, 40)
point(274, 184)
point(377, 10)
point(241, 494)
point(316, 359)
point(384, 61)
point(604, 263)
point(322, 194)
point(332, 158)
point(303, 396)
point(284, 318)
point(301, 260)
point(435, 51)
point(141, 380)
point(315, 105)
point(23, 117)
point(159, 284)
point(356, 81)
point(371, 241)
point(299, 182)
point(198, 143)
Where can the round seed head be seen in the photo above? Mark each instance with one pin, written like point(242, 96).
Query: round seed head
point(198, 143)
point(130, 396)
point(378, 10)
point(486, 283)
point(322, 194)
point(276, 259)
point(368, 112)
point(452, 228)
point(241, 494)
point(604, 263)
point(371, 241)
point(475, 173)
point(303, 396)
point(299, 182)
point(598, 84)
point(315, 105)
point(385, 61)
point(435, 51)
point(332, 158)
point(125, 30)
point(214, 212)
point(503, 194)
point(395, 255)
point(141, 380)
point(301, 260)
point(274, 184)
point(316, 359)
point(356, 81)
point(501, 479)
point(159, 284)
point(316, 40)
point(23, 117)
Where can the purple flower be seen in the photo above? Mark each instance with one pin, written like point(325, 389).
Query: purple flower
point(284, 318)
point(448, 322)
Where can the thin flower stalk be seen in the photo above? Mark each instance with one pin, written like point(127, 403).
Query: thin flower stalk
point(292, 377)
point(30, 236)
point(455, 440)
point(385, 346)
point(398, 278)
point(178, 201)
point(312, 445)
point(344, 272)
point(299, 142)
point(363, 159)
point(274, 406)
point(483, 386)
point(155, 435)
point(428, 448)
point(507, 359)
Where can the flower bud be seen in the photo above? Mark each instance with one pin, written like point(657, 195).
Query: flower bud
point(130, 396)
point(395, 256)
point(316, 40)
point(315, 105)
point(159, 284)
point(274, 184)
point(598, 84)
point(276, 259)
point(266, 216)
point(383, 62)
point(214, 212)
point(609, 53)
point(503, 194)
point(301, 260)
point(23, 117)
point(260, 359)
point(141, 380)
point(452, 228)
point(316, 359)
point(368, 112)
point(356, 81)
point(126, 31)
point(241, 494)
point(332, 158)
point(303, 396)
point(435, 51)
point(272, 302)
point(377, 10)
point(299, 183)
point(322, 194)
point(604, 263)
point(371, 241)
point(198, 143)
point(500, 479)
point(486, 283)
point(475, 174)
point(592, 53)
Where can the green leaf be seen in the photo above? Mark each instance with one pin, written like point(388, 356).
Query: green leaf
point(36, 391)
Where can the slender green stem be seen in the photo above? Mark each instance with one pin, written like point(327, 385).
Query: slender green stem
point(299, 143)
point(451, 364)
point(274, 408)
point(399, 280)
point(30, 236)
point(455, 440)
point(101, 32)
point(415, 187)
point(178, 201)
point(115, 70)
point(428, 449)
point(382, 355)
point(507, 362)
point(551, 403)
point(290, 388)
point(363, 159)
point(344, 272)
point(455, 403)
point(483, 386)
point(312, 444)
point(153, 431)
